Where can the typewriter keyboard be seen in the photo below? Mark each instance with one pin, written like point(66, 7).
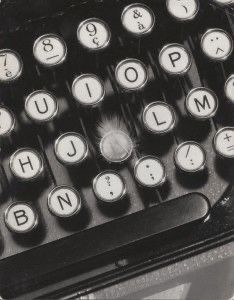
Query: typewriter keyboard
point(112, 110)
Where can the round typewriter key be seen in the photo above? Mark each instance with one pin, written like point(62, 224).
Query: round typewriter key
point(201, 103)
point(26, 164)
point(7, 121)
point(41, 106)
point(50, 50)
point(138, 19)
point(64, 201)
point(190, 157)
point(20, 217)
point(217, 44)
point(224, 142)
point(149, 171)
point(94, 34)
point(11, 65)
point(109, 187)
point(131, 74)
point(116, 146)
point(224, 2)
point(159, 117)
point(88, 89)
point(71, 148)
point(229, 88)
point(183, 10)
point(175, 59)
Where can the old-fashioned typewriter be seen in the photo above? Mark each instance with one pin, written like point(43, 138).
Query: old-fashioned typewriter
point(117, 139)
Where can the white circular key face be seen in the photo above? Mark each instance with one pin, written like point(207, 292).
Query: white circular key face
point(229, 88)
point(71, 148)
point(201, 103)
point(224, 142)
point(94, 34)
point(88, 89)
point(183, 10)
point(138, 19)
point(159, 117)
point(175, 59)
point(20, 217)
point(149, 171)
point(7, 121)
point(50, 50)
point(41, 106)
point(131, 74)
point(217, 44)
point(109, 187)
point(11, 65)
point(116, 146)
point(190, 157)
point(64, 201)
point(26, 164)
point(224, 2)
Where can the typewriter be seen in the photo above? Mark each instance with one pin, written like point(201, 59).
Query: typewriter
point(117, 139)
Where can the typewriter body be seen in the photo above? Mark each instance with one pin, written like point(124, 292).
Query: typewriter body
point(117, 139)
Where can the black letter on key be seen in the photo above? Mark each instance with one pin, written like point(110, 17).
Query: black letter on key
point(126, 74)
point(67, 201)
point(177, 56)
point(28, 162)
point(40, 110)
point(20, 214)
point(72, 154)
point(203, 104)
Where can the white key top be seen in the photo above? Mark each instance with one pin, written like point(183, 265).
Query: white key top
point(88, 89)
point(116, 146)
point(183, 10)
point(20, 217)
point(11, 65)
point(217, 44)
point(201, 103)
point(149, 171)
point(138, 19)
point(71, 148)
point(109, 187)
point(224, 142)
point(50, 50)
point(229, 88)
point(41, 106)
point(159, 117)
point(64, 201)
point(190, 157)
point(175, 59)
point(26, 164)
point(94, 34)
point(131, 74)
point(224, 2)
point(7, 121)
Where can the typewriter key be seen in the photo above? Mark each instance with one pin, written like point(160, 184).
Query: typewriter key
point(88, 89)
point(11, 65)
point(41, 106)
point(26, 164)
point(229, 88)
point(224, 142)
point(183, 10)
point(71, 148)
point(149, 171)
point(201, 103)
point(50, 50)
point(159, 117)
point(217, 44)
point(190, 157)
point(20, 217)
point(109, 187)
point(94, 34)
point(131, 74)
point(7, 121)
point(138, 19)
point(175, 59)
point(224, 2)
point(64, 201)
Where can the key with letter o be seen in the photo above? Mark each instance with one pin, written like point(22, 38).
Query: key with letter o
point(11, 65)
point(20, 217)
